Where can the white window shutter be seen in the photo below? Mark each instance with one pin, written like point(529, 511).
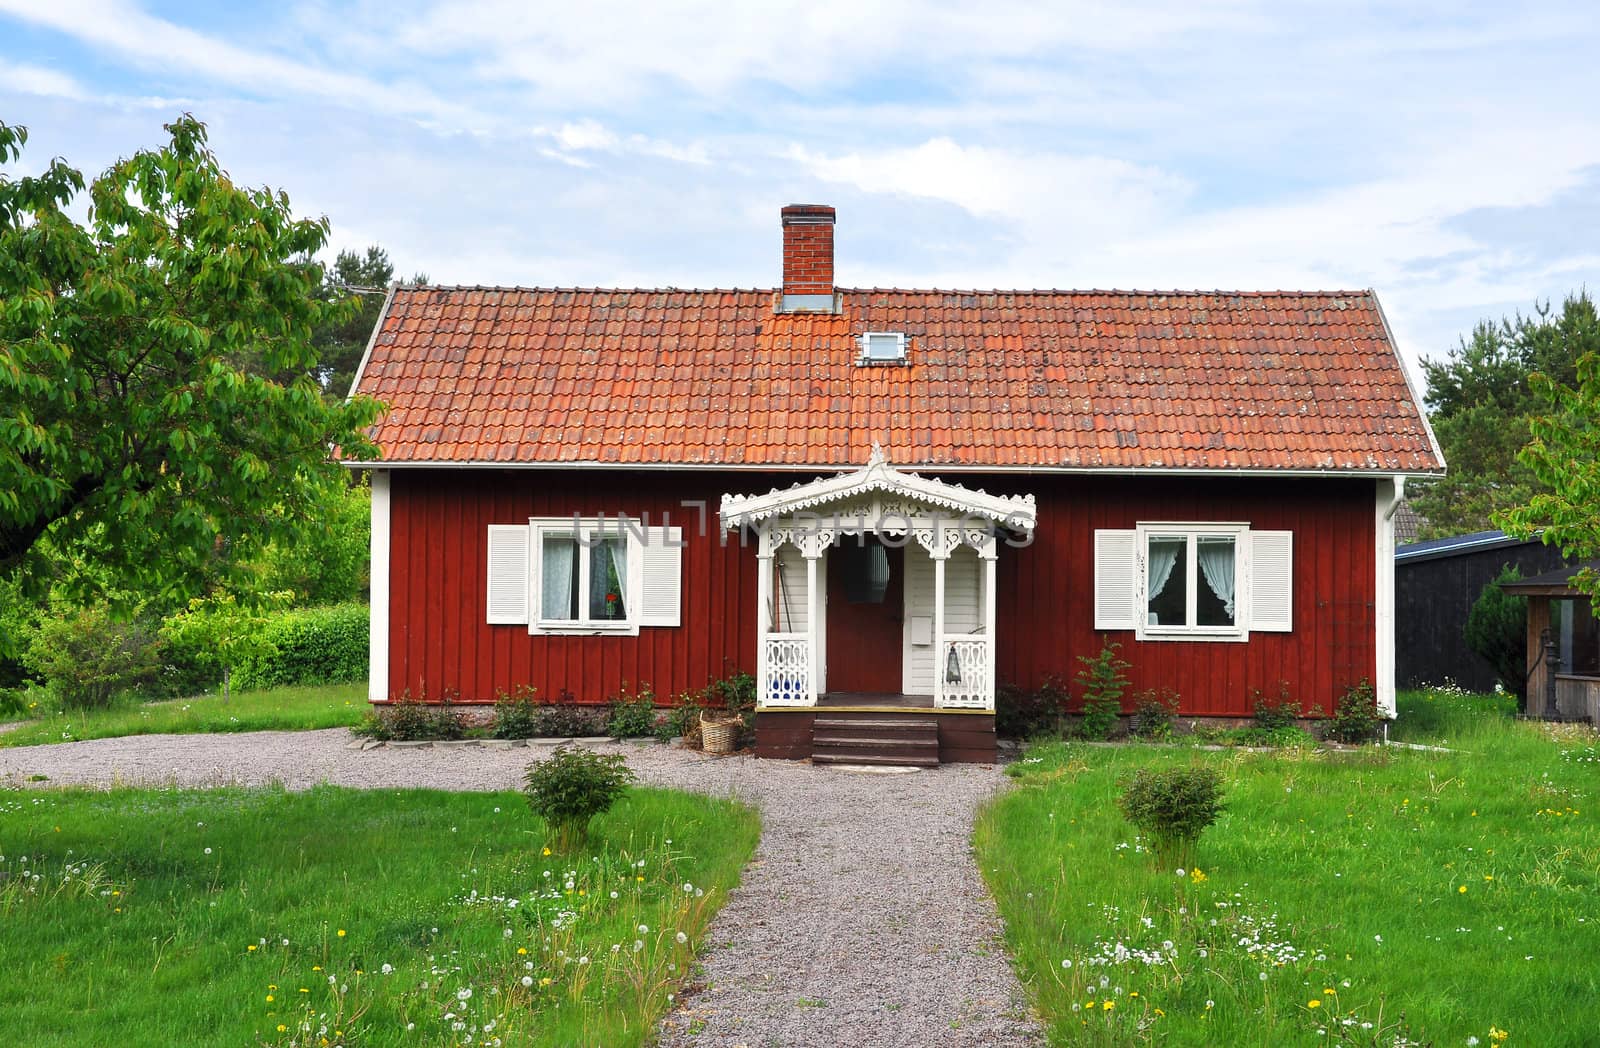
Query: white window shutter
point(660, 576)
point(1116, 580)
point(508, 573)
point(1272, 581)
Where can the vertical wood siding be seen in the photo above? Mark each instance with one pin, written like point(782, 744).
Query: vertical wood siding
point(439, 641)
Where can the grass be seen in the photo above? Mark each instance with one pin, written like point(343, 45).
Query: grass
point(230, 917)
point(1373, 897)
point(275, 709)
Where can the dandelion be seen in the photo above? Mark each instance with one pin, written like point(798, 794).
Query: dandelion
point(1263, 976)
point(682, 938)
point(545, 981)
point(1182, 872)
point(341, 933)
point(1066, 962)
point(1210, 1005)
point(270, 998)
point(1462, 890)
point(687, 887)
point(251, 948)
point(208, 851)
point(1313, 1003)
point(527, 980)
point(464, 994)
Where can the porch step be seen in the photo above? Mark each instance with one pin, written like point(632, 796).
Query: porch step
point(911, 741)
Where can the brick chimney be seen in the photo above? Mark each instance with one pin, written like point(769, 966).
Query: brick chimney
point(807, 259)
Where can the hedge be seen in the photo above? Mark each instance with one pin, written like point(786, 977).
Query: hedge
point(326, 645)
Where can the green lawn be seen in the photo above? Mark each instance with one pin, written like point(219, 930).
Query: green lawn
point(1342, 898)
point(234, 917)
point(281, 709)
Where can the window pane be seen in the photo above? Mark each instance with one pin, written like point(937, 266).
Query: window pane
point(1214, 604)
point(1166, 579)
point(607, 577)
point(558, 578)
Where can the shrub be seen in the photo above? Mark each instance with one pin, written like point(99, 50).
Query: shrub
point(1153, 713)
point(683, 720)
point(326, 645)
point(632, 716)
point(1497, 630)
point(572, 787)
point(1274, 713)
point(414, 720)
point(516, 716)
point(88, 657)
point(1173, 806)
point(1103, 683)
point(565, 720)
point(1355, 718)
point(1023, 714)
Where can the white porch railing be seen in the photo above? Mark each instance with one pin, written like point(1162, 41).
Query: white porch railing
point(786, 670)
point(963, 673)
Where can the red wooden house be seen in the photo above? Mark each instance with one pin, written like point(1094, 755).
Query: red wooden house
point(884, 503)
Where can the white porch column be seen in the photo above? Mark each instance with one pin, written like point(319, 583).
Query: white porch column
point(813, 553)
point(941, 654)
point(989, 552)
point(764, 557)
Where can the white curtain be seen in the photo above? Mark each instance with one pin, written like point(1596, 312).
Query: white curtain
point(1216, 563)
point(1163, 555)
point(556, 562)
point(619, 560)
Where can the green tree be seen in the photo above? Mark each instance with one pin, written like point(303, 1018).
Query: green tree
point(341, 341)
point(1565, 456)
point(1481, 399)
point(146, 430)
point(227, 632)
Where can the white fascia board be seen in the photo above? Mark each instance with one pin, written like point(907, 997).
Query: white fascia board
point(372, 339)
point(815, 468)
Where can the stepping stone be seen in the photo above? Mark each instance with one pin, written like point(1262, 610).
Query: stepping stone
point(457, 744)
point(504, 744)
point(409, 744)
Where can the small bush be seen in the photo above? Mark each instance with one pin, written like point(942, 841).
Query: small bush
point(1356, 718)
point(1274, 713)
point(1497, 631)
point(414, 720)
point(1023, 714)
point(516, 716)
point(683, 720)
point(1173, 806)
point(566, 720)
point(88, 657)
point(1290, 736)
point(632, 716)
point(1153, 713)
point(572, 787)
point(326, 645)
point(1103, 683)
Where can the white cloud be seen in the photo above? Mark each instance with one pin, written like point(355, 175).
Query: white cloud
point(35, 80)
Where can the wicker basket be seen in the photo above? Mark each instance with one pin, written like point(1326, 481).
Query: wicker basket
point(719, 733)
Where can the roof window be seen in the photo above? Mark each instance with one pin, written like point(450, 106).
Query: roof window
point(883, 347)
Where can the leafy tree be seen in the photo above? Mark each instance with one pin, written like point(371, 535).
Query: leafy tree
point(341, 341)
point(1565, 457)
point(147, 431)
point(1497, 629)
point(1481, 399)
point(227, 632)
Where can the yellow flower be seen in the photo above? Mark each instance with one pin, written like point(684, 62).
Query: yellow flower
point(640, 879)
point(1313, 1003)
point(522, 951)
point(1330, 992)
point(1488, 876)
point(341, 933)
point(1462, 890)
point(251, 948)
point(545, 981)
point(1110, 1005)
point(1133, 993)
point(316, 967)
point(269, 998)
point(1160, 1013)
point(547, 851)
point(282, 1028)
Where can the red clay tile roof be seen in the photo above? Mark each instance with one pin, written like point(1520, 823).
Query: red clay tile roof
point(1041, 379)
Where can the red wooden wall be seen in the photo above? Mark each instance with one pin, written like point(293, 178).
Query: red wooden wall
point(439, 641)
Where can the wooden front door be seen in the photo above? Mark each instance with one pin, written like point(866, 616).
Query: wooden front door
point(865, 616)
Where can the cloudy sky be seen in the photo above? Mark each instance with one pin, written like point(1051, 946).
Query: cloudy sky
point(1448, 156)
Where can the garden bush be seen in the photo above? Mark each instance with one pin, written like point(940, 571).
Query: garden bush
point(414, 720)
point(566, 720)
point(326, 645)
point(88, 656)
point(572, 787)
point(1173, 806)
point(1021, 713)
point(1356, 718)
point(630, 715)
point(1153, 713)
point(1103, 683)
point(516, 716)
point(1271, 713)
point(1497, 631)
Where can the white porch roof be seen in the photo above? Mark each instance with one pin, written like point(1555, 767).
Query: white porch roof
point(878, 478)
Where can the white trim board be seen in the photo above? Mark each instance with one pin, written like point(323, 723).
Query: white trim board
point(378, 586)
point(588, 465)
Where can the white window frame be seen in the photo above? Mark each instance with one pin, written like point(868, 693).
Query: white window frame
point(586, 530)
point(1192, 532)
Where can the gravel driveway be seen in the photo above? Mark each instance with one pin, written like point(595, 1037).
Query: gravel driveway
point(860, 921)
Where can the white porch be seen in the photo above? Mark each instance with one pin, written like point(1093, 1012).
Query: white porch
point(946, 540)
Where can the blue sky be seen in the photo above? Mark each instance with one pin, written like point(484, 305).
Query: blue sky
point(1446, 154)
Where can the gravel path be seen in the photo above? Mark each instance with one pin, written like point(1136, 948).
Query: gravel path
point(860, 921)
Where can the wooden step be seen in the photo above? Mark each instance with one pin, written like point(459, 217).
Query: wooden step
point(878, 761)
point(890, 725)
point(856, 738)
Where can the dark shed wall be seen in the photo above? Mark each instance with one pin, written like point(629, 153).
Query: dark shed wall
point(439, 641)
point(1433, 597)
